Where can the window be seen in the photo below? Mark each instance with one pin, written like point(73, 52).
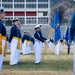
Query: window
point(42, 0)
point(18, 0)
point(45, 13)
point(43, 20)
point(7, 0)
point(30, 5)
point(30, 0)
point(41, 13)
point(21, 19)
point(31, 20)
point(18, 5)
point(8, 18)
point(42, 5)
point(7, 5)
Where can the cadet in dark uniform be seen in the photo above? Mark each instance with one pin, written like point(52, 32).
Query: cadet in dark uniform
point(25, 37)
point(25, 41)
point(38, 44)
point(13, 39)
point(2, 37)
point(30, 43)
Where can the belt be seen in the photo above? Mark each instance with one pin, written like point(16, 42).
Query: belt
point(3, 38)
point(15, 38)
point(19, 43)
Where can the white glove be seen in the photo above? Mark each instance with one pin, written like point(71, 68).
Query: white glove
point(72, 43)
point(47, 40)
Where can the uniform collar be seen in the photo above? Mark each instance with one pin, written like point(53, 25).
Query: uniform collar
point(37, 31)
point(14, 25)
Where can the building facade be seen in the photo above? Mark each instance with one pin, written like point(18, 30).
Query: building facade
point(29, 12)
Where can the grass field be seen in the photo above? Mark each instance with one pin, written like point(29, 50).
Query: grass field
point(51, 65)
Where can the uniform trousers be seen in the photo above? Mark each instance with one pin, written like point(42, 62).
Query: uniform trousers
point(13, 57)
point(38, 51)
point(58, 48)
point(2, 55)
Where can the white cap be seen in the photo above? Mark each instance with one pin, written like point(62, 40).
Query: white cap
point(28, 32)
point(37, 26)
point(1, 9)
point(25, 31)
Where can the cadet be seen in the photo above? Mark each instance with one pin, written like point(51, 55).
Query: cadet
point(38, 41)
point(25, 40)
point(25, 32)
point(2, 36)
point(13, 39)
point(30, 43)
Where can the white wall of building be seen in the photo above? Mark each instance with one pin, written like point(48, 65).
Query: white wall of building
point(42, 7)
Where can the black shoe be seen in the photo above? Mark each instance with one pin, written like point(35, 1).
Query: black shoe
point(40, 62)
point(18, 63)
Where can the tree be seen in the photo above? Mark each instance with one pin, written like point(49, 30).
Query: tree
point(61, 13)
point(8, 23)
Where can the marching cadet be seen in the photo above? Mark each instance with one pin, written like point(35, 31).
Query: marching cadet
point(25, 32)
point(38, 41)
point(30, 43)
point(19, 42)
point(25, 40)
point(2, 37)
point(13, 39)
point(28, 46)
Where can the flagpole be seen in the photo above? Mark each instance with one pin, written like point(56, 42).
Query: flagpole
point(68, 42)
